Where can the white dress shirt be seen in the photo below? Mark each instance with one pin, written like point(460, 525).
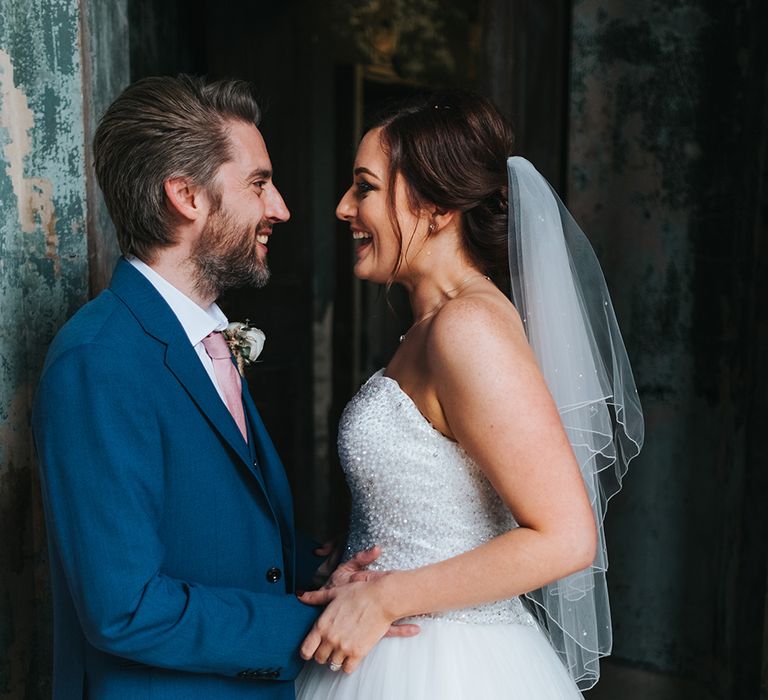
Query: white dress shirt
point(196, 321)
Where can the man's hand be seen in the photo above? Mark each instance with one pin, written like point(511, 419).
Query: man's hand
point(354, 569)
point(332, 551)
point(329, 574)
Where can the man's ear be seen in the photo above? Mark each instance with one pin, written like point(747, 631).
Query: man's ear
point(185, 198)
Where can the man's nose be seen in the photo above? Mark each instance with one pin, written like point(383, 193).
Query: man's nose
point(275, 209)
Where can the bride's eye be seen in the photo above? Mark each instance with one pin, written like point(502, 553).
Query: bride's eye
point(363, 188)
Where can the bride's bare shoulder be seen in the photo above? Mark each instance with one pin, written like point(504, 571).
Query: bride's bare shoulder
point(476, 325)
point(478, 356)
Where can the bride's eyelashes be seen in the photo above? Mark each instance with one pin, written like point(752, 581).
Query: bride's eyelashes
point(363, 187)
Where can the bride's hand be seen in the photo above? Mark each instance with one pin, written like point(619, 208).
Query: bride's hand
point(353, 622)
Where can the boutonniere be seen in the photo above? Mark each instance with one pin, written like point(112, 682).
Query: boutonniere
point(245, 342)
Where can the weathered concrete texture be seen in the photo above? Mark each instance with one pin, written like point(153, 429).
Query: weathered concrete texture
point(661, 138)
point(43, 279)
point(630, 145)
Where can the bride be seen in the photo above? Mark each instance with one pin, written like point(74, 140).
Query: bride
point(481, 458)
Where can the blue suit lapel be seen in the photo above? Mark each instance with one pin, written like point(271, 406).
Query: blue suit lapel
point(186, 366)
point(157, 319)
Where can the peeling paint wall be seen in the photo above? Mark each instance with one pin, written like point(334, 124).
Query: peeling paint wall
point(106, 71)
point(668, 126)
point(43, 279)
point(662, 131)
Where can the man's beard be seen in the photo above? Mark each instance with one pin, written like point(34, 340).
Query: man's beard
point(226, 256)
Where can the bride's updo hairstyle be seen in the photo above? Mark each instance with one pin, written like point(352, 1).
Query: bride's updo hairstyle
point(451, 147)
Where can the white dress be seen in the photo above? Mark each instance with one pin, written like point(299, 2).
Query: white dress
point(420, 497)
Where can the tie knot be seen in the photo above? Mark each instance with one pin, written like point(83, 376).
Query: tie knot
point(216, 346)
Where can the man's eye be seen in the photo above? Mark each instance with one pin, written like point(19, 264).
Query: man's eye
point(259, 185)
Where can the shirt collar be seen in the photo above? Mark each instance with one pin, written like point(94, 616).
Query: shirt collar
point(196, 321)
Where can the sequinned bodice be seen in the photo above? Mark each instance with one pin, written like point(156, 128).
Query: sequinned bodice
point(415, 493)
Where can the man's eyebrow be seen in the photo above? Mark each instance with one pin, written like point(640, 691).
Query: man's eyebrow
point(358, 171)
point(261, 174)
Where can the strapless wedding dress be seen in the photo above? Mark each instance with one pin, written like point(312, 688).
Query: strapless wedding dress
point(420, 497)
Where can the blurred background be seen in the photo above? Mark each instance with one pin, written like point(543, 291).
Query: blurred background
point(651, 120)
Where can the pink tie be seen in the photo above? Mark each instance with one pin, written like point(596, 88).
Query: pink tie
point(227, 377)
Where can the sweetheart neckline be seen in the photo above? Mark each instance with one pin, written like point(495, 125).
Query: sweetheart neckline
point(393, 382)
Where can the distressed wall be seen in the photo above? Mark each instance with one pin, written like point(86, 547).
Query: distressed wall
point(43, 279)
point(106, 71)
point(667, 132)
point(667, 136)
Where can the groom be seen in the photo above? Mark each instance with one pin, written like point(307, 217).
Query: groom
point(172, 545)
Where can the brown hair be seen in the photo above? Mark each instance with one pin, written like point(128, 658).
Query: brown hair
point(157, 129)
point(451, 147)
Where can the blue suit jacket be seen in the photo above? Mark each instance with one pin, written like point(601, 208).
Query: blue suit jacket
point(166, 530)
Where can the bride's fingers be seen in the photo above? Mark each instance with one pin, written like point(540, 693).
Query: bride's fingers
point(324, 652)
point(322, 596)
point(351, 663)
point(404, 630)
point(310, 644)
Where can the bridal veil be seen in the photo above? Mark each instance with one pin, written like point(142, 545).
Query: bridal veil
point(561, 295)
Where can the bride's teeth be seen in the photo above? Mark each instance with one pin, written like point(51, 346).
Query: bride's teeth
point(262, 239)
point(357, 235)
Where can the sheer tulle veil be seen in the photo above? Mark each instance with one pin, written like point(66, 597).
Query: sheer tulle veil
point(561, 295)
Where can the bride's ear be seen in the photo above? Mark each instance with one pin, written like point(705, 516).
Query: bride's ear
point(440, 219)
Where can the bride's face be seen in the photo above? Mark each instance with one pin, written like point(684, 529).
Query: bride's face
point(365, 206)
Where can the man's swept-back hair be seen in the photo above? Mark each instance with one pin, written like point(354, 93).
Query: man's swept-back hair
point(157, 129)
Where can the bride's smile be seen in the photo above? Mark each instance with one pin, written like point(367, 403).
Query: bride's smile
point(366, 205)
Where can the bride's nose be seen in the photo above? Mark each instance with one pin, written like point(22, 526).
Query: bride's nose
point(346, 209)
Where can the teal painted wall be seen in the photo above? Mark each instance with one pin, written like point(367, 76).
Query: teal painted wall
point(44, 278)
point(61, 63)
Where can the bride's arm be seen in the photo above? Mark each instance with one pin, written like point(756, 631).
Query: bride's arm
point(498, 408)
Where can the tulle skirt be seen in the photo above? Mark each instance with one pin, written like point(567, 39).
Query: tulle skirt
point(449, 660)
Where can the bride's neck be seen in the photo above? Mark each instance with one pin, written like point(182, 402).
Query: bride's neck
point(429, 291)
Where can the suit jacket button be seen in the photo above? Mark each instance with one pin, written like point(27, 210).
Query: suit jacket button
point(274, 574)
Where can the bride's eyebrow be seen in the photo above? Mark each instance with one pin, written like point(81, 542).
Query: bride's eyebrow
point(360, 171)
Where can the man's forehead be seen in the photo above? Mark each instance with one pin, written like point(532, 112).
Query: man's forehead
point(250, 150)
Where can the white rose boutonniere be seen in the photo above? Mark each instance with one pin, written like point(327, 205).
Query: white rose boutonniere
point(245, 341)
